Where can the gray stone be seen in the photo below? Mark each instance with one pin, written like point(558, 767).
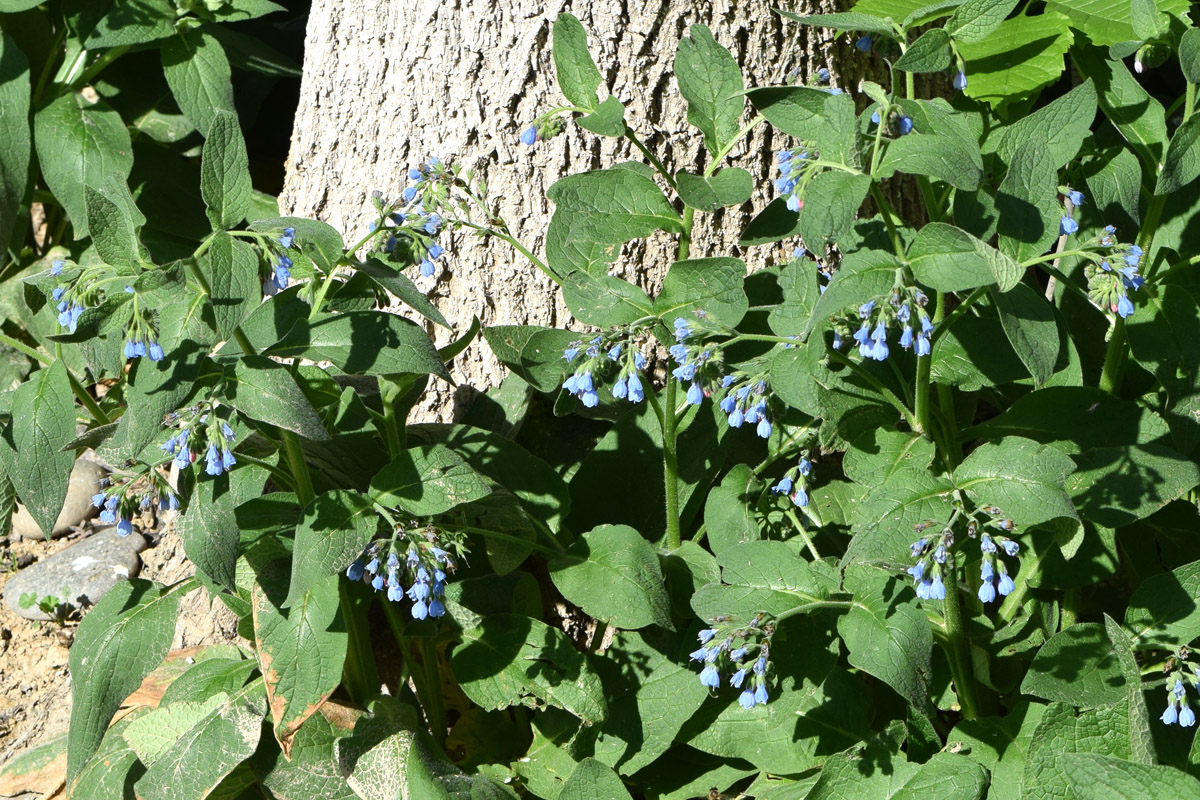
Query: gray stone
point(85, 482)
point(79, 574)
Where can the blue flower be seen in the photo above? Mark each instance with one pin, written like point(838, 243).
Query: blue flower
point(529, 136)
point(746, 698)
point(1076, 198)
point(437, 608)
point(155, 352)
point(760, 666)
point(56, 268)
point(987, 592)
point(1170, 716)
point(620, 389)
point(699, 655)
point(736, 418)
point(760, 694)
point(764, 428)
point(377, 583)
point(960, 80)
point(1006, 585)
point(427, 268)
point(695, 395)
point(800, 498)
point(227, 459)
point(738, 678)
point(875, 117)
point(1010, 547)
point(355, 571)
point(834, 91)
point(705, 636)
point(212, 461)
point(1187, 717)
point(289, 235)
point(1067, 226)
point(420, 610)
point(409, 194)
point(636, 392)
point(822, 75)
point(710, 677)
point(124, 527)
point(906, 337)
point(865, 309)
point(98, 499)
point(738, 654)
point(937, 591)
point(863, 43)
point(793, 203)
point(1124, 307)
point(905, 124)
point(784, 486)
point(395, 592)
point(879, 350)
point(68, 317)
point(58, 292)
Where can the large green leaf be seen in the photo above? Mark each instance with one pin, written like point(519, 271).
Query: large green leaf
point(884, 518)
point(1096, 777)
point(514, 660)
point(80, 144)
point(976, 20)
point(728, 187)
point(1108, 21)
point(198, 73)
point(709, 285)
point(1027, 203)
point(929, 52)
point(300, 649)
point(761, 577)
point(118, 643)
point(1181, 165)
point(937, 155)
point(864, 275)
point(225, 171)
point(1024, 478)
point(266, 391)
point(364, 342)
point(1059, 127)
point(592, 780)
point(604, 300)
point(113, 221)
point(203, 755)
point(1162, 612)
point(948, 259)
point(230, 267)
point(711, 82)
point(425, 481)
point(831, 203)
point(1029, 323)
point(132, 22)
point(43, 420)
point(578, 77)
point(1136, 114)
point(1078, 667)
point(1164, 337)
point(335, 529)
point(596, 212)
point(613, 574)
point(945, 775)
point(1018, 59)
point(15, 139)
point(1104, 731)
point(825, 121)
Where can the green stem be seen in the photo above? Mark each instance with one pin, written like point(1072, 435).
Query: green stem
point(1070, 608)
point(504, 235)
point(1114, 359)
point(431, 701)
point(958, 649)
point(670, 425)
point(653, 159)
point(85, 397)
point(951, 449)
point(952, 317)
point(298, 466)
point(106, 58)
point(1189, 101)
point(812, 548)
point(21, 347)
point(724, 151)
point(358, 673)
point(888, 220)
point(557, 550)
point(887, 393)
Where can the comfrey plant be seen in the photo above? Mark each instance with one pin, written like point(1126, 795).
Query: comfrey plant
point(920, 469)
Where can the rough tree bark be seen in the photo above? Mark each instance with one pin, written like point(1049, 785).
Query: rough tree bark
point(388, 84)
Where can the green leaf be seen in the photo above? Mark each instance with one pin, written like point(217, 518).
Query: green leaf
point(113, 229)
point(111, 772)
point(596, 212)
point(878, 454)
point(711, 82)
point(1029, 324)
point(825, 120)
point(578, 77)
point(1114, 182)
point(152, 734)
point(336, 528)
point(425, 481)
point(197, 71)
point(900, 10)
point(592, 780)
point(710, 285)
point(300, 650)
point(317, 241)
point(1117, 485)
point(1160, 614)
point(266, 391)
point(930, 52)
point(1096, 777)
point(1104, 731)
point(760, 577)
point(1060, 127)
point(313, 769)
point(729, 510)
point(831, 202)
point(1018, 59)
point(364, 342)
point(1024, 478)
point(396, 282)
point(1164, 337)
point(1138, 116)
point(613, 574)
point(1181, 165)
point(1078, 667)
point(1027, 203)
point(937, 155)
point(225, 171)
point(888, 639)
point(1145, 20)
point(975, 20)
point(15, 137)
point(132, 22)
point(1000, 744)
point(948, 259)
point(1189, 55)
point(604, 300)
point(118, 643)
point(773, 223)
point(226, 736)
point(1141, 741)
point(80, 144)
point(511, 659)
point(230, 266)
point(1109, 21)
point(845, 21)
point(209, 529)
point(884, 518)
point(728, 187)
point(43, 420)
point(607, 120)
point(864, 275)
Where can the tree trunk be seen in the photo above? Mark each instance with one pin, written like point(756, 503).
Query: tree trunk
point(387, 85)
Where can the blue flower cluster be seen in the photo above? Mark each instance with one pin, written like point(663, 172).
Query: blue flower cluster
point(141, 334)
point(414, 225)
point(931, 553)
point(69, 301)
point(745, 401)
point(1109, 286)
point(743, 652)
point(117, 504)
point(794, 483)
point(598, 354)
point(1181, 673)
point(542, 128)
point(871, 335)
point(993, 573)
point(213, 440)
point(900, 124)
point(425, 566)
point(791, 170)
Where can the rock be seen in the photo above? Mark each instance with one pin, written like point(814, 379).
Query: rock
point(85, 478)
point(78, 575)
